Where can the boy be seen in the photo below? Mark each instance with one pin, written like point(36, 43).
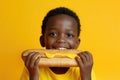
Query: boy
point(60, 30)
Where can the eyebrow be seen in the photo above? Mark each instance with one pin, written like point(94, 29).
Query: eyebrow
point(52, 28)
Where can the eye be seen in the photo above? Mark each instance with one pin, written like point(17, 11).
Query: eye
point(69, 35)
point(52, 34)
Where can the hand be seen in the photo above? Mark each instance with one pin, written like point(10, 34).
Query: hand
point(31, 63)
point(85, 63)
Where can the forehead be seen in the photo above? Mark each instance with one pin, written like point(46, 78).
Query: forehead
point(61, 20)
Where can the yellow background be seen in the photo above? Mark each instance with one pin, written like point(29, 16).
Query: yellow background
point(20, 22)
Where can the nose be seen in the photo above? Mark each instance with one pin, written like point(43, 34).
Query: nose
point(61, 39)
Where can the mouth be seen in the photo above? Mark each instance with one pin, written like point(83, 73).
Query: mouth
point(61, 48)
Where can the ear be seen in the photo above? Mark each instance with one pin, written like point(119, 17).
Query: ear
point(42, 41)
point(78, 42)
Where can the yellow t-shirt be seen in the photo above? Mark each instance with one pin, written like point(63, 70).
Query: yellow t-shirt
point(46, 73)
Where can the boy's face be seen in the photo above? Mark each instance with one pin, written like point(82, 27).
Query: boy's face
point(60, 33)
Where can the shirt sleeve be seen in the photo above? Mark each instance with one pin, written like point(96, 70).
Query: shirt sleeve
point(93, 75)
point(24, 75)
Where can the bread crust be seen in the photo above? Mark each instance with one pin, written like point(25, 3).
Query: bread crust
point(57, 61)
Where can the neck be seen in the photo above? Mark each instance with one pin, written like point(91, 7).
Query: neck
point(59, 70)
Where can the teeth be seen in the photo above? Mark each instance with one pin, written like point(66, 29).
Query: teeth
point(61, 48)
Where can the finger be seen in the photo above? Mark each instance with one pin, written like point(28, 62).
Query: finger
point(83, 58)
point(33, 59)
point(27, 61)
point(86, 54)
point(42, 55)
point(79, 61)
point(36, 62)
point(90, 59)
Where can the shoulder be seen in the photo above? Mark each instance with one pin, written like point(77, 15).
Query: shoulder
point(25, 74)
point(76, 71)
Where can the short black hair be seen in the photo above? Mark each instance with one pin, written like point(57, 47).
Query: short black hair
point(58, 11)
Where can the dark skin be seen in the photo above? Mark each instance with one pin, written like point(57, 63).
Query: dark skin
point(61, 32)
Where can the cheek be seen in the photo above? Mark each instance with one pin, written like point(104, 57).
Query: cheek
point(74, 44)
point(49, 42)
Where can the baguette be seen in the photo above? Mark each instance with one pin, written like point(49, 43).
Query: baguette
point(56, 60)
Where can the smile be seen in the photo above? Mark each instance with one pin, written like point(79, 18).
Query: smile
point(61, 48)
